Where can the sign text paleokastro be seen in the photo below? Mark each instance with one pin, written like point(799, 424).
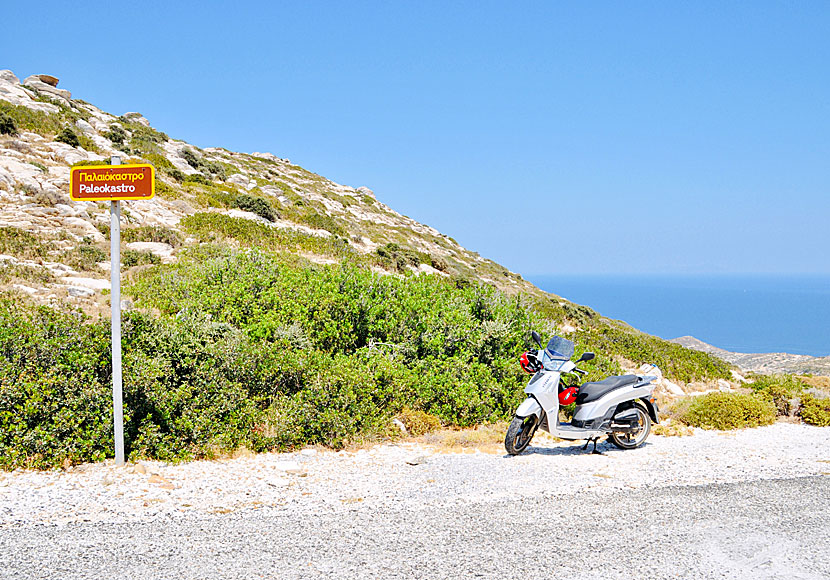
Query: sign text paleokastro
point(112, 182)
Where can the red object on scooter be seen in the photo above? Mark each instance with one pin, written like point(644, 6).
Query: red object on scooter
point(568, 395)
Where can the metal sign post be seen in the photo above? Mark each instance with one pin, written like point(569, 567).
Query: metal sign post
point(108, 183)
point(115, 305)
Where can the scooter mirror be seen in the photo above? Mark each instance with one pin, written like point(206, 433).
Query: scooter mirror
point(536, 337)
point(586, 356)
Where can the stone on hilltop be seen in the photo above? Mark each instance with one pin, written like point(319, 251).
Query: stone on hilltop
point(36, 82)
point(137, 118)
point(49, 80)
point(9, 77)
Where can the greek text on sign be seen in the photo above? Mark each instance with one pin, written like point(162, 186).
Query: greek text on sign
point(112, 182)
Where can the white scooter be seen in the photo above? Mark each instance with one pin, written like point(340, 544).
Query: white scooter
point(621, 407)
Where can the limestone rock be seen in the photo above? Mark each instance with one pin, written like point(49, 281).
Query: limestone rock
point(137, 118)
point(85, 127)
point(242, 181)
point(366, 191)
point(9, 77)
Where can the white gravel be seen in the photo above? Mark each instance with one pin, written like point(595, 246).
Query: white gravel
point(384, 476)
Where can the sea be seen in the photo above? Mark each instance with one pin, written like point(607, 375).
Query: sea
point(739, 313)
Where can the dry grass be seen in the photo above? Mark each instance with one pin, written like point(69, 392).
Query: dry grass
point(821, 383)
point(487, 438)
point(672, 429)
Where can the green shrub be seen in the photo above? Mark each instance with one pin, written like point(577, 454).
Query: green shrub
point(418, 423)
point(150, 234)
point(7, 124)
point(323, 222)
point(85, 257)
point(196, 178)
point(116, 134)
point(676, 362)
point(215, 226)
point(781, 389)
point(69, 137)
point(26, 119)
point(10, 272)
point(130, 258)
point(399, 258)
point(729, 411)
point(815, 410)
point(191, 158)
point(257, 205)
point(21, 244)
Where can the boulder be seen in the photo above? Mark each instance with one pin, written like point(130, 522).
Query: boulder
point(366, 191)
point(48, 79)
point(85, 127)
point(137, 118)
point(9, 77)
point(35, 82)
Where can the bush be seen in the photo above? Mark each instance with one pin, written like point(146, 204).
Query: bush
point(150, 234)
point(323, 222)
point(729, 411)
point(116, 134)
point(400, 258)
point(85, 257)
point(7, 125)
point(815, 410)
point(417, 422)
point(781, 389)
point(130, 258)
point(21, 244)
point(257, 205)
point(69, 137)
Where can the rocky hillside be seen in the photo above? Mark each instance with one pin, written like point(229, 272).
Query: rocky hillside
point(55, 250)
point(765, 363)
point(48, 132)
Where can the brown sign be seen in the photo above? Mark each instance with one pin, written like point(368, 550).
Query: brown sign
point(112, 182)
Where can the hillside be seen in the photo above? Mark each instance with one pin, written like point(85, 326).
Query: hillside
point(257, 292)
point(765, 363)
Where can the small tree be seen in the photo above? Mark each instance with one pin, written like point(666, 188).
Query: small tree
point(69, 137)
point(7, 126)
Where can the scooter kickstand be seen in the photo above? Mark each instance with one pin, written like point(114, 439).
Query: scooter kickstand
point(588, 442)
point(595, 452)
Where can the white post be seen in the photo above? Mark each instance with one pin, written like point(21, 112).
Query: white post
point(115, 307)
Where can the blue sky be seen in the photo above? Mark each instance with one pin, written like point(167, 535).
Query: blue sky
point(552, 137)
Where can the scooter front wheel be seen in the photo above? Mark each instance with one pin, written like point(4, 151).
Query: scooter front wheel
point(520, 433)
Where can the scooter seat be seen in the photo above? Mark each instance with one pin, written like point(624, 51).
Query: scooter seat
point(593, 391)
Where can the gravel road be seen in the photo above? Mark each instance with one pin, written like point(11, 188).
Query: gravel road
point(750, 504)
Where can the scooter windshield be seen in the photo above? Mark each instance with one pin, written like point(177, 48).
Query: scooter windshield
point(560, 348)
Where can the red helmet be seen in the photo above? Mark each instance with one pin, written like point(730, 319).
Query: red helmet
point(529, 362)
point(568, 395)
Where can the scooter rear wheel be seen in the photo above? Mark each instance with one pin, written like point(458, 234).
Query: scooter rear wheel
point(520, 433)
point(633, 440)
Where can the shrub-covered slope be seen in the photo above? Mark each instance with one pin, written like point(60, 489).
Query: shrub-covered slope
point(272, 307)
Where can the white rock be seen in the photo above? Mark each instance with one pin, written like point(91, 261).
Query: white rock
point(137, 118)
point(399, 424)
point(85, 127)
point(91, 283)
point(160, 249)
point(25, 289)
point(242, 181)
point(79, 292)
point(248, 215)
point(286, 466)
